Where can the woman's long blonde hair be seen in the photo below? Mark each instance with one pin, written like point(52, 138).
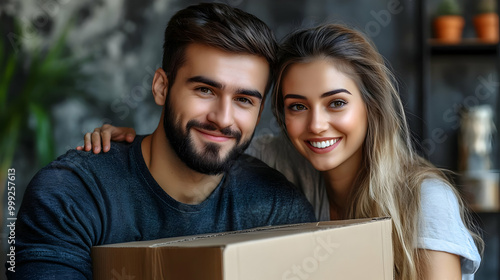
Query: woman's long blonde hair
point(392, 172)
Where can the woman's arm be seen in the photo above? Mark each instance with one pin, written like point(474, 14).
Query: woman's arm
point(442, 266)
point(449, 245)
point(102, 137)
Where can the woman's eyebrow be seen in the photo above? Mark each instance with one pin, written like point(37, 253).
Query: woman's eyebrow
point(294, 96)
point(326, 94)
point(329, 93)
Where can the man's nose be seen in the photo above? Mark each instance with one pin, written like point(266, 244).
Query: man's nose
point(222, 113)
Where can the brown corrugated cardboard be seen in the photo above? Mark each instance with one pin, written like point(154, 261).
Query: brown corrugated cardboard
point(351, 249)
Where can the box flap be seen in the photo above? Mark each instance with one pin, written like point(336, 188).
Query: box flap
point(349, 249)
point(225, 238)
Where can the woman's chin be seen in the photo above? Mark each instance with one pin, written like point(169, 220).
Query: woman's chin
point(320, 164)
point(323, 166)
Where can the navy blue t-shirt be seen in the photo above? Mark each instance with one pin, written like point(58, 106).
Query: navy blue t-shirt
point(82, 200)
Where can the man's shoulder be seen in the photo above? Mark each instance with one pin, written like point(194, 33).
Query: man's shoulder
point(261, 187)
point(253, 171)
point(248, 165)
point(119, 152)
point(76, 169)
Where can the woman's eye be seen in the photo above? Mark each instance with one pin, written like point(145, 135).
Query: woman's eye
point(337, 104)
point(297, 107)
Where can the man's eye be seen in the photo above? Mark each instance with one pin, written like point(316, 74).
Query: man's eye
point(338, 104)
point(205, 90)
point(297, 107)
point(244, 100)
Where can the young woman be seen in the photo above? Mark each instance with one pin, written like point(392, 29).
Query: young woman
point(339, 109)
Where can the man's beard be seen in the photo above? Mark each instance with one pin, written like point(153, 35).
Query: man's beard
point(208, 161)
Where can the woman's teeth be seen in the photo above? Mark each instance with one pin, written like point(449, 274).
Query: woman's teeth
point(323, 144)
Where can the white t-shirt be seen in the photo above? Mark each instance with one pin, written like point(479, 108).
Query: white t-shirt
point(440, 229)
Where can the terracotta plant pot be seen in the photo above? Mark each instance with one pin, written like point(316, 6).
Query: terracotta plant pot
point(448, 29)
point(486, 26)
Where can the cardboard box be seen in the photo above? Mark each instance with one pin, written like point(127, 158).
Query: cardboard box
point(350, 249)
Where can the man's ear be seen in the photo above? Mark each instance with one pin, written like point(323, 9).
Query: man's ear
point(160, 87)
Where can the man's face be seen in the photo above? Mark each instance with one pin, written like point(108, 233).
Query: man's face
point(213, 106)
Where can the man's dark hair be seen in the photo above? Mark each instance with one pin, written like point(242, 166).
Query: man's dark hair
point(220, 26)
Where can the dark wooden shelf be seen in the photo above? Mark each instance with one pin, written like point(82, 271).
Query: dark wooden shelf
point(466, 47)
point(486, 213)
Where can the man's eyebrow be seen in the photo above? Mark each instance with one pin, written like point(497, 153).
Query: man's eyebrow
point(249, 92)
point(215, 84)
point(205, 80)
point(326, 94)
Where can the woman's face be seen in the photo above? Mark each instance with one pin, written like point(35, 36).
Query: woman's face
point(325, 115)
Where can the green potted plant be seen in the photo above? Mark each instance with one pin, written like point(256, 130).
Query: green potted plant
point(449, 22)
point(486, 21)
point(31, 83)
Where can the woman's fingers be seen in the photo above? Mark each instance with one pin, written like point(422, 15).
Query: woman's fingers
point(87, 142)
point(129, 134)
point(96, 140)
point(101, 137)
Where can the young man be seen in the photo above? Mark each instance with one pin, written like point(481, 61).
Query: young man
point(188, 177)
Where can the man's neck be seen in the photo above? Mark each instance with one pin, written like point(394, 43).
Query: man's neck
point(172, 174)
